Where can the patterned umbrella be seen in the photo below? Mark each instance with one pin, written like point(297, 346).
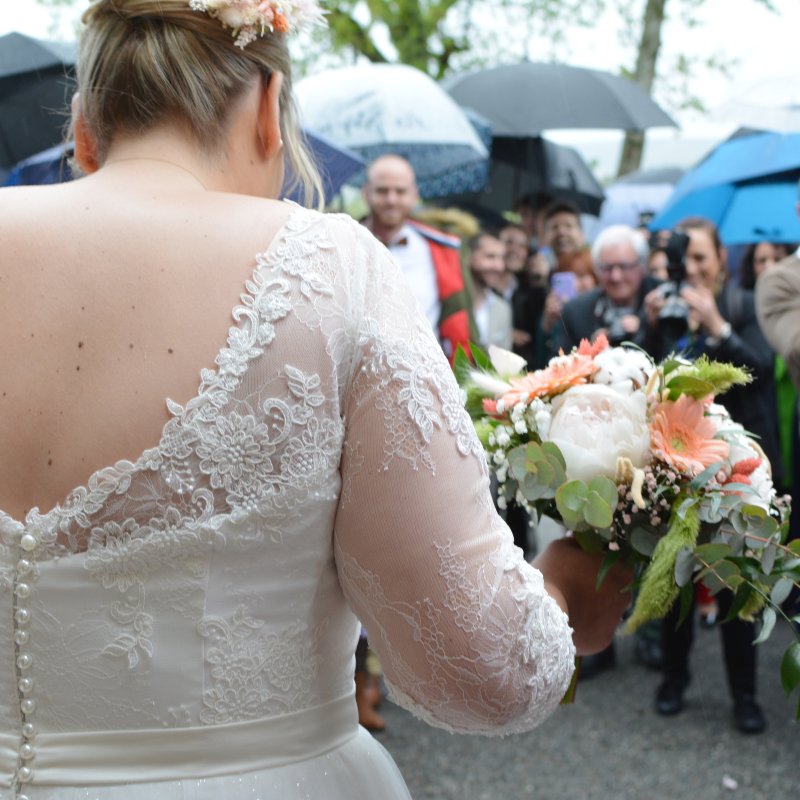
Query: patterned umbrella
point(377, 109)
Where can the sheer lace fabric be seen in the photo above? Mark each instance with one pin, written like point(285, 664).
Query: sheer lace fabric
point(325, 467)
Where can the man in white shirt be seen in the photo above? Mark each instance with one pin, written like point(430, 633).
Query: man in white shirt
point(429, 258)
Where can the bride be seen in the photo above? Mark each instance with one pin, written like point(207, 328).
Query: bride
point(181, 582)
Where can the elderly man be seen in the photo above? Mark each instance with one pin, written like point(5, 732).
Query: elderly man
point(429, 258)
point(616, 306)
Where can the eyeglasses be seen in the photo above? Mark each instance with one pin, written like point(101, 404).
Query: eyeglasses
point(624, 266)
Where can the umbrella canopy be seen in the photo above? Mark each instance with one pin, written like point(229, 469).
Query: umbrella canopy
point(336, 166)
point(528, 98)
point(747, 185)
point(744, 213)
point(746, 156)
point(535, 165)
point(35, 92)
point(376, 109)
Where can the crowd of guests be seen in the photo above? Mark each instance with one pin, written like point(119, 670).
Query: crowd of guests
point(537, 286)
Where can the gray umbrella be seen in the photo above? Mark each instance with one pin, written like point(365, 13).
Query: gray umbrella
point(527, 98)
point(35, 91)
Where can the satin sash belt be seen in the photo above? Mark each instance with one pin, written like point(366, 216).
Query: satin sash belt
point(140, 756)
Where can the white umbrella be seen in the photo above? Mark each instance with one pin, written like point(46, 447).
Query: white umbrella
point(393, 108)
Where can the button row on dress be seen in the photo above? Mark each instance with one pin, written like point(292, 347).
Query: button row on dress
point(26, 574)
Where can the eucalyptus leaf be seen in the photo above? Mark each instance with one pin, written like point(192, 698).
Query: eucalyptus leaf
point(767, 624)
point(606, 488)
point(781, 590)
point(768, 556)
point(644, 541)
point(702, 478)
point(546, 473)
point(554, 451)
point(684, 566)
point(712, 552)
point(571, 496)
point(596, 511)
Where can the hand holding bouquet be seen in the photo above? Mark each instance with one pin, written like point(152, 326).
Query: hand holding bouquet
point(640, 463)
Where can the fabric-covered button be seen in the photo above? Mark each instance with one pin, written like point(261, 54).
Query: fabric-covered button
point(28, 542)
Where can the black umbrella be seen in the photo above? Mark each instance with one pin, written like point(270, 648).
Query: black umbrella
point(527, 98)
point(534, 165)
point(36, 86)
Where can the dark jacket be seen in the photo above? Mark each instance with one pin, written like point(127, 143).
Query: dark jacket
point(589, 312)
point(752, 406)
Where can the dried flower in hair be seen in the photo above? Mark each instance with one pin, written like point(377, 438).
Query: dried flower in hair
point(250, 19)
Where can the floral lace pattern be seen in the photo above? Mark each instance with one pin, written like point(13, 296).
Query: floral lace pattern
point(321, 462)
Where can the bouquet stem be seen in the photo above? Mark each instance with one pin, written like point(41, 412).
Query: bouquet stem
point(659, 590)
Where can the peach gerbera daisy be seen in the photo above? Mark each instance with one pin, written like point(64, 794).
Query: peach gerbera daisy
point(563, 372)
point(682, 436)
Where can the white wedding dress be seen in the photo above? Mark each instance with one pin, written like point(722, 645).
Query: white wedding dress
point(184, 626)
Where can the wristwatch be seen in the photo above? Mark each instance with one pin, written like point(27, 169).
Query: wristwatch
point(724, 333)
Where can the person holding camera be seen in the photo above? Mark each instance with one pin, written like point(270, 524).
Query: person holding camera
point(700, 311)
point(616, 306)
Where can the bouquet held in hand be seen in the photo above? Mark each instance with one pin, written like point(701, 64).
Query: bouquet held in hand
point(638, 461)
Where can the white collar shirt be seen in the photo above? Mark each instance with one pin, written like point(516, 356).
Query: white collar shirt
point(413, 255)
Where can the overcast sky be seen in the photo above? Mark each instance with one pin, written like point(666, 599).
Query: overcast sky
point(764, 43)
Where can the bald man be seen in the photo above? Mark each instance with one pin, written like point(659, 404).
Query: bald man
point(430, 259)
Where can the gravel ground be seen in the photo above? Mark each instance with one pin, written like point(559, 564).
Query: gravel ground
point(611, 745)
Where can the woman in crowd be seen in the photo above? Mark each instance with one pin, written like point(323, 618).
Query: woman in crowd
point(183, 623)
point(718, 320)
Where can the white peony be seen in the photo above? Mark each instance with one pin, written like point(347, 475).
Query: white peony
point(593, 425)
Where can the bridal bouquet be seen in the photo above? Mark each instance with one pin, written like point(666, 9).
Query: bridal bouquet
point(639, 462)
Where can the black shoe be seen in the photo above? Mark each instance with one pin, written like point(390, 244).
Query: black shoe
point(669, 697)
point(597, 662)
point(649, 653)
point(747, 714)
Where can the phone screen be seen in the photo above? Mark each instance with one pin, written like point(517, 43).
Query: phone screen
point(564, 284)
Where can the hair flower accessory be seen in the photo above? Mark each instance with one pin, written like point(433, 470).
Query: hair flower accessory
point(250, 19)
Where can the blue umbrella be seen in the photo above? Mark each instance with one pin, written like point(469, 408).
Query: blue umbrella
point(336, 165)
point(747, 186)
point(747, 212)
point(746, 156)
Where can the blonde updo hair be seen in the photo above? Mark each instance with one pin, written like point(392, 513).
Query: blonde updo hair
point(142, 63)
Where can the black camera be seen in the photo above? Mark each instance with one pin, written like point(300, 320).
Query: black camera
point(612, 322)
point(673, 319)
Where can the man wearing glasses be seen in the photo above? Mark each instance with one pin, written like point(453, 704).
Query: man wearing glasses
point(616, 306)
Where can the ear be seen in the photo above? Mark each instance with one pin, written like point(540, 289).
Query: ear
point(85, 144)
point(269, 116)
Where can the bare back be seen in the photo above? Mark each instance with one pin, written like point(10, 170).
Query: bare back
point(112, 298)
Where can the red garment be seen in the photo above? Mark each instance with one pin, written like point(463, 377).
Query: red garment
point(454, 320)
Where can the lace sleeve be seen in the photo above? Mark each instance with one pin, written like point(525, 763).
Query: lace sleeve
point(467, 635)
